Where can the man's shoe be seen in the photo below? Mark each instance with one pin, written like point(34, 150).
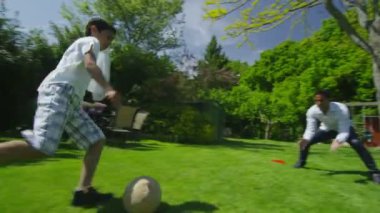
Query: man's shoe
point(90, 198)
point(299, 164)
point(376, 178)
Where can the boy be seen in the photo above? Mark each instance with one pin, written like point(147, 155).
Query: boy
point(59, 108)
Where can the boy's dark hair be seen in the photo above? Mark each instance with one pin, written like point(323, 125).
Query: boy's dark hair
point(100, 24)
point(324, 93)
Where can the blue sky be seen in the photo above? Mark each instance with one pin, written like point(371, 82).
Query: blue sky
point(197, 32)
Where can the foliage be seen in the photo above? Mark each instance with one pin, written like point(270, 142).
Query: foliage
point(215, 71)
point(212, 69)
point(173, 88)
point(214, 55)
point(181, 122)
point(133, 69)
point(192, 127)
point(25, 58)
point(10, 70)
point(161, 118)
point(149, 25)
point(256, 17)
point(209, 77)
point(275, 92)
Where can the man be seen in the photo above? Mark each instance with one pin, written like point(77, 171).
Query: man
point(335, 123)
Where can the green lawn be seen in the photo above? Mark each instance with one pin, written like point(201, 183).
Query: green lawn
point(235, 176)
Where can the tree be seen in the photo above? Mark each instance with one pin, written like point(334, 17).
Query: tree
point(212, 70)
point(273, 94)
point(10, 60)
point(25, 59)
point(214, 55)
point(150, 25)
point(255, 18)
point(133, 68)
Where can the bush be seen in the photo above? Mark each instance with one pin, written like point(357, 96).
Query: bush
point(192, 127)
point(181, 123)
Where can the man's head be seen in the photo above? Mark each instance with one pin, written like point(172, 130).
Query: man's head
point(322, 100)
point(101, 30)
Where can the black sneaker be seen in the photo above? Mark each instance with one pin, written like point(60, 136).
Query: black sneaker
point(376, 178)
point(90, 198)
point(299, 164)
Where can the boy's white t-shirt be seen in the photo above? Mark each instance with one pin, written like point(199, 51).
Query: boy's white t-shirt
point(104, 62)
point(71, 69)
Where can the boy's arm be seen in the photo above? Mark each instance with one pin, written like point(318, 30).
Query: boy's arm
point(97, 75)
point(87, 105)
point(94, 70)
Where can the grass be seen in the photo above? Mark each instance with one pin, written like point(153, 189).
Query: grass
point(235, 176)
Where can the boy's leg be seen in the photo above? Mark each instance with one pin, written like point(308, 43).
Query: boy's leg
point(18, 151)
point(52, 111)
point(90, 163)
point(86, 195)
point(89, 136)
point(49, 119)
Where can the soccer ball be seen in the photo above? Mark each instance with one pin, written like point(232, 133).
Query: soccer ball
point(142, 195)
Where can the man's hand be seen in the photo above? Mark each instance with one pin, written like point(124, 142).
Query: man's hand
point(335, 145)
point(302, 143)
point(114, 97)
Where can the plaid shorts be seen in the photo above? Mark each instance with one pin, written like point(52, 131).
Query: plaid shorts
point(59, 109)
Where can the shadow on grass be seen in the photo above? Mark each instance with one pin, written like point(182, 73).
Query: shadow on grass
point(116, 206)
point(140, 143)
point(56, 157)
point(240, 144)
point(365, 174)
point(67, 145)
point(132, 145)
point(189, 206)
